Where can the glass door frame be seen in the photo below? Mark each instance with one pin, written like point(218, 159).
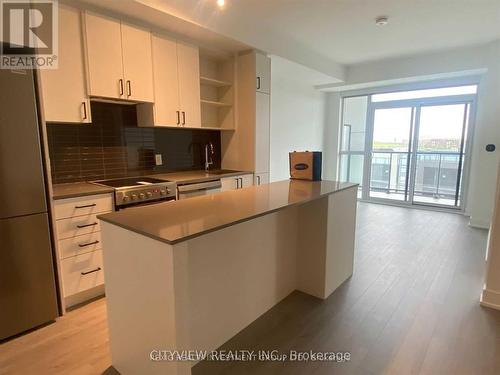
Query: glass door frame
point(416, 106)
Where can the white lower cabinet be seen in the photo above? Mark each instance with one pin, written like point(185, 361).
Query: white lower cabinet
point(82, 272)
point(261, 178)
point(79, 248)
point(236, 182)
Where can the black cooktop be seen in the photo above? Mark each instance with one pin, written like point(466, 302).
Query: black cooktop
point(130, 181)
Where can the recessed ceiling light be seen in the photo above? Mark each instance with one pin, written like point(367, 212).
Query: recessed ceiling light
point(381, 21)
point(221, 3)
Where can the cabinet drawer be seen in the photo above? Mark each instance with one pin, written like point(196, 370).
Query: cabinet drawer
point(80, 206)
point(76, 226)
point(82, 272)
point(85, 243)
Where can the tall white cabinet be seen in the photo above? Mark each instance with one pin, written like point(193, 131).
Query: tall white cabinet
point(249, 147)
point(64, 92)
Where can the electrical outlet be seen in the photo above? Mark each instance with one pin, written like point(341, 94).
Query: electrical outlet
point(158, 159)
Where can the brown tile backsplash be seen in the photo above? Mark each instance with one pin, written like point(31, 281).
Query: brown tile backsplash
point(113, 147)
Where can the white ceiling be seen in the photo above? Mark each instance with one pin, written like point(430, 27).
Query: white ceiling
point(326, 35)
point(344, 31)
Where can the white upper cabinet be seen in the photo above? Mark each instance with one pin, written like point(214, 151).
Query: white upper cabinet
point(166, 83)
point(188, 66)
point(137, 65)
point(63, 89)
point(262, 129)
point(118, 59)
point(263, 73)
point(176, 72)
point(104, 56)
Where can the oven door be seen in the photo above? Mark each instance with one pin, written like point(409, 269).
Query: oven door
point(197, 189)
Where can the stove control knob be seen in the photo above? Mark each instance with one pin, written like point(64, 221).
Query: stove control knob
point(134, 197)
point(141, 195)
point(125, 198)
point(163, 192)
point(149, 194)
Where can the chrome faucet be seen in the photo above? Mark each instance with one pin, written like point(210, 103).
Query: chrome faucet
point(209, 153)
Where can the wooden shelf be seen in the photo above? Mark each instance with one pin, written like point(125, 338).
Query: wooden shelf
point(215, 104)
point(214, 82)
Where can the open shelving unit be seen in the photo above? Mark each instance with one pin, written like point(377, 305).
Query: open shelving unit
point(217, 92)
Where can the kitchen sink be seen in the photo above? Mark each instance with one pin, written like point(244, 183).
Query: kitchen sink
point(222, 171)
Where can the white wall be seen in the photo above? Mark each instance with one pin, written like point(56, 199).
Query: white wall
point(297, 115)
point(487, 127)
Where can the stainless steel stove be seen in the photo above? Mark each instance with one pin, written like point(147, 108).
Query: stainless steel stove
point(133, 191)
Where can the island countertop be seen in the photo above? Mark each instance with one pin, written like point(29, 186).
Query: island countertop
point(178, 221)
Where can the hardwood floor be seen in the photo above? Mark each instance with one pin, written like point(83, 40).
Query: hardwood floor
point(411, 307)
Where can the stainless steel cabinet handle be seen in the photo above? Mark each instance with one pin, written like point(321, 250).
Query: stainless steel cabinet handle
point(178, 117)
point(183, 118)
point(241, 182)
point(84, 110)
point(258, 83)
point(258, 180)
point(120, 81)
point(86, 206)
point(237, 183)
point(88, 243)
point(91, 271)
point(129, 88)
point(86, 225)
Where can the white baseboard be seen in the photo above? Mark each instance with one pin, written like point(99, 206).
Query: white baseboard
point(490, 298)
point(479, 223)
point(79, 298)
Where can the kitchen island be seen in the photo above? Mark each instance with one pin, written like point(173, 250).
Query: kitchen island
point(190, 274)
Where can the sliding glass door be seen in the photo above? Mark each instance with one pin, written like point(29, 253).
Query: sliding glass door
point(417, 153)
point(440, 151)
point(408, 147)
point(390, 154)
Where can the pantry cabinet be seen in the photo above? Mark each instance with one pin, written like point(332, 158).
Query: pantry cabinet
point(262, 73)
point(118, 59)
point(64, 92)
point(249, 148)
point(262, 132)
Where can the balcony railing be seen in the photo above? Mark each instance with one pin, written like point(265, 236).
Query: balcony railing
point(436, 173)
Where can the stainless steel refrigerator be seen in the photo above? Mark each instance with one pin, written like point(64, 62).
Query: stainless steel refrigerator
point(27, 283)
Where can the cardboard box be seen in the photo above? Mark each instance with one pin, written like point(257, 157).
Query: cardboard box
point(305, 165)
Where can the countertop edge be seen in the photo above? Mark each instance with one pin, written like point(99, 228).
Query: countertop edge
point(98, 190)
point(201, 233)
point(198, 179)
